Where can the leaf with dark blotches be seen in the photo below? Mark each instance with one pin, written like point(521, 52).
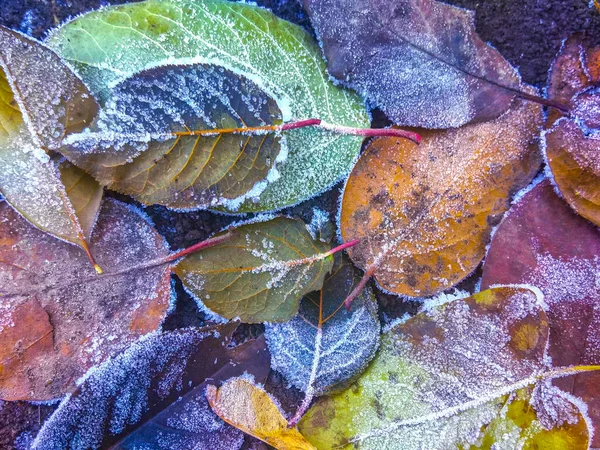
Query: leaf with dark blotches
point(152, 395)
point(148, 141)
point(325, 344)
point(420, 61)
point(544, 243)
point(260, 274)
point(423, 214)
point(572, 143)
point(459, 375)
point(58, 316)
point(41, 101)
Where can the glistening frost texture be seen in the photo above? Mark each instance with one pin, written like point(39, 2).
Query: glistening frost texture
point(132, 149)
point(110, 45)
point(116, 395)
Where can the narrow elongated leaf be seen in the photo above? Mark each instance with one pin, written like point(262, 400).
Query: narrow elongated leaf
point(443, 379)
point(152, 395)
point(41, 101)
point(170, 106)
point(423, 214)
point(420, 61)
point(58, 316)
point(325, 344)
point(110, 45)
point(543, 242)
point(249, 408)
point(260, 274)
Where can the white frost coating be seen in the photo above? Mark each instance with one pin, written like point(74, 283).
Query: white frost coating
point(443, 298)
point(520, 194)
point(195, 283)
point(317, 224)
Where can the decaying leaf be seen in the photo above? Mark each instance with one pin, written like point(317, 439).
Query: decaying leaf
point(542, 242)
point(423, 214)
point(325, 344)
point(149, 141)
point(57, 316)
point(451, 377)
point(41, 101)
point(572, 144)
point(111, 44)
point(152, 395)
point(260, 274)
point(246, 406)
point(420, 61)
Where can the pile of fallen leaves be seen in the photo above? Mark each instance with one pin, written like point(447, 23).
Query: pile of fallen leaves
point(207, 104)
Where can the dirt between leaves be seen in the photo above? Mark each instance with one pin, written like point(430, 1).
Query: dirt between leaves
point(527, 32)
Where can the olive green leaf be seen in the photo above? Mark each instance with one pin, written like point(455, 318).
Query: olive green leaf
point(41, 101)
point(260, 273)
point(450, 378)
point(112, 44)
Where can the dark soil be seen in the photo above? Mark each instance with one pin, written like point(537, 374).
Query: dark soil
point(527, 32)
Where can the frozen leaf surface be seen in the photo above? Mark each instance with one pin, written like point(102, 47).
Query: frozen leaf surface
point(325, 344)
point(148, 142)
point(151, 397)
point(58, 317)
point(248, 407)
point(260, 274)
point(423, 214)
point(542, 242)
point(41, 101)
point(420, 61)
point(442, 378)
point(110, 45)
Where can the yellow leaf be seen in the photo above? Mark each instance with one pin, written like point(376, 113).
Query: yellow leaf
point(247, 407)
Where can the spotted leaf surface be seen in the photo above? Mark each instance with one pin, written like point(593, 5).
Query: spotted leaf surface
point(260, 274)
point(110, 45)
point(444, 379)
point(423, 214)
point(148, 141)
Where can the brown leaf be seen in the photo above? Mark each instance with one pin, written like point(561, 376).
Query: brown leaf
point(423, 214)
point(58, 316)
point(420, 61)
point(543, 243)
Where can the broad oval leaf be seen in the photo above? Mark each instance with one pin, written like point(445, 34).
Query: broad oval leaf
point(41, 102)
point(247, 407)
point(152, 395)
point(58, 316)
point(149, 141)
point(260, 274)
point(423, 214)
point(109, 45)
point(442, 377)
point(420, 61)
point(325, 344)
point(543, 242)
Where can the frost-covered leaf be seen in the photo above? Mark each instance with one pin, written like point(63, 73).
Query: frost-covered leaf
point(248, 407)
point(423, 214)
point(152, 395)
point(148, 142)
point(41, 101)
point(57, 316)
point(542, 242)
point(572, 144)
point(260, 274)
point(325, 344)
point(443, 377)
point(109, 45)
point(420, 61)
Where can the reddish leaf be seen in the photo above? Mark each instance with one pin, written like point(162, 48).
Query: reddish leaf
point(544, 243)
point(58, 317)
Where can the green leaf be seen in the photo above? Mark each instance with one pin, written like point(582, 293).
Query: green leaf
point(260, 274)
point(442, 377)
point(169, 136)
point(109, 45)
point(41, 101)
